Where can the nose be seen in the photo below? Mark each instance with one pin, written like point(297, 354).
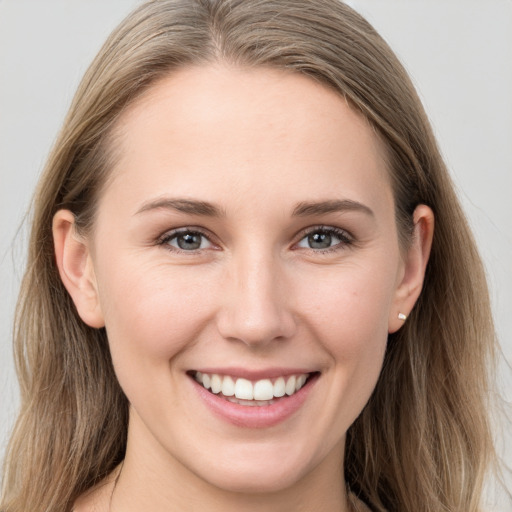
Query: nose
point(256, 308)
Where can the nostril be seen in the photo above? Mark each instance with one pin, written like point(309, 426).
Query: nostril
point(256, 327)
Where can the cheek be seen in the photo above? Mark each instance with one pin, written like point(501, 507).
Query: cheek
point(152, 316)
point(349, 309)
point(151, 313)
point(350, 320)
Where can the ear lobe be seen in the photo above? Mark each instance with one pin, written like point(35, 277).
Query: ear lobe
point(415, 264)
point(76, 269)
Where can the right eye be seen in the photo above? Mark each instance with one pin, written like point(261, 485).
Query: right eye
point(186, 240)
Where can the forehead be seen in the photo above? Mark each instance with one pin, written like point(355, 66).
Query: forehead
point(222, 133)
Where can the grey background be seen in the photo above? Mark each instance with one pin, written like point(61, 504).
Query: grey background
point(459, 53)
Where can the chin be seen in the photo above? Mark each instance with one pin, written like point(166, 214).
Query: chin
point(257, 469)
point(254, 480)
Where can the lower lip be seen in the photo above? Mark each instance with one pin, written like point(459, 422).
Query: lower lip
point(258, 416)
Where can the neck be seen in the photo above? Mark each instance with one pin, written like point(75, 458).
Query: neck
point(152, 480)
point(147, 494)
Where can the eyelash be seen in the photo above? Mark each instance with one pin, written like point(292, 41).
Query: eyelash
point(165, 239)
point(346, 240)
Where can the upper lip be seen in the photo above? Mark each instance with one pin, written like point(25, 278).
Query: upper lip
point(254, 374)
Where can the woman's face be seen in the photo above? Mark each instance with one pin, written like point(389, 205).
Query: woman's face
point(246, 240)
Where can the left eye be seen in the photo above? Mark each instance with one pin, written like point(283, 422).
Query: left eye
point(188, 241)
point(323, 239)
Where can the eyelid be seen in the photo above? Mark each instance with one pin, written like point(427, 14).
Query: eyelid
point(172, 233)
point(347, 239)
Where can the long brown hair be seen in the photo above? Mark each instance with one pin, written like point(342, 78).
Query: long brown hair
point(423, 441)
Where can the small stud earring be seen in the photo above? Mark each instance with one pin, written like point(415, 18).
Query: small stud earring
point(401, 316)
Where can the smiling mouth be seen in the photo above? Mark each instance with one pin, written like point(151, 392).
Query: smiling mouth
point(263, 392)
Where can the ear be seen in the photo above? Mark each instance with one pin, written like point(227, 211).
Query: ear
point(76, 269)
point(415, 264)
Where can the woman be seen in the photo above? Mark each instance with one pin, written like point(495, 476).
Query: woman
point(236, 298)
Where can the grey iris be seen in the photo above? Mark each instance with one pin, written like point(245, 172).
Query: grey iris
point(319, 240)
point(189, 241)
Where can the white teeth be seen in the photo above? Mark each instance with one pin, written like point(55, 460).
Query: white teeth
point(301, 380)
point(244, 389)
point(216, 383)
point(206, 380)
point(228, 386)
point(249, 393)
point(290, 385)
point(279, 387)
point(263, 390)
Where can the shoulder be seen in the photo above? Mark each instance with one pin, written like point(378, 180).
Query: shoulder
point(97, 499)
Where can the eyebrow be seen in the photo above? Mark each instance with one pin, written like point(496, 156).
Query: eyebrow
point(305, 209)
point(189, 206)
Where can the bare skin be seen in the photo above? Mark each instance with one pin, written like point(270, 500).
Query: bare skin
point(98, 499)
